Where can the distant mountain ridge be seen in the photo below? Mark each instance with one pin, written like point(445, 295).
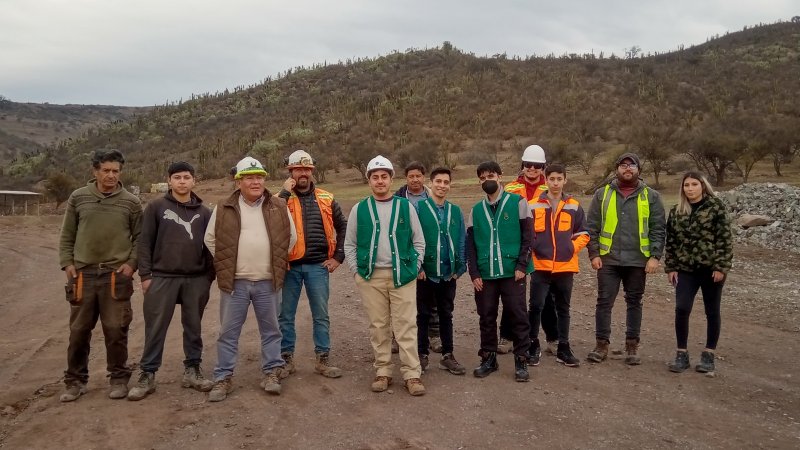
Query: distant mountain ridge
point(445, 106)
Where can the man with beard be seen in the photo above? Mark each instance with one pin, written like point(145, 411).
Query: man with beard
point(320, 227)
point(626, 241)
point(499, 233)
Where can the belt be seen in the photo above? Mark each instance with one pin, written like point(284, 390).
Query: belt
point(100, 268)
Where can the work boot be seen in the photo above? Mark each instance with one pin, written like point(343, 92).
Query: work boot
point(423, 362)
point(415, 387)
point(632, 352)
point(144, 387)
point(289, 368)
point(193, 378)
point(118, 391)
point(381, 383)
point(449, 363)
point(521, 369)
point(706, 362)
point(395, 345)
point(436, 344)
point(73, 391)
point(564, 355)
point(272, 382)
point(600, 352)
point(323, 367)
point(488, 365)
point(534, 353)
point(551, 348)
point(221, 390)
point(681, 362)
point(504, 346)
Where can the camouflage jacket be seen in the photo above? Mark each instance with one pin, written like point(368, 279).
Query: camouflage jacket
point(702, 239)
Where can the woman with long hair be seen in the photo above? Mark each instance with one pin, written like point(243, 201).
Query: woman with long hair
point(697, 256)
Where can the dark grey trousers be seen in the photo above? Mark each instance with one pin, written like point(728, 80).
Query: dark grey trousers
point(159, 307)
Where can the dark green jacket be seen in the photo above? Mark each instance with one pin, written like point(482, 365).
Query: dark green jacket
point(702, 239)
point(100, 229)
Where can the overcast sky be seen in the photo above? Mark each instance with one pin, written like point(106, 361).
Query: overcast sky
point(146, 52)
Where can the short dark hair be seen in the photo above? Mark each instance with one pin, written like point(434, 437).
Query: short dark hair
point(441, 170)
point(107, 155)
point(415, 165)
point(180, 166)
point(557, 168)
point(488, 166)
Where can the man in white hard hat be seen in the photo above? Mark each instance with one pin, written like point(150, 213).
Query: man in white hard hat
point(384, 248)
point(320, 226)
point(250, 235)
point(530, 184)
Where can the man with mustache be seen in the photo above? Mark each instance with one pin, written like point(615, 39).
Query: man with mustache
point(627, 230)
point(320, 226)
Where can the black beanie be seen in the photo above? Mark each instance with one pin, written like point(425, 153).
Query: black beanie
point(180, 166)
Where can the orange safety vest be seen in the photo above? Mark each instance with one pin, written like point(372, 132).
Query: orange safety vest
point(518, 187)
point(325, 202)
point(558, 235)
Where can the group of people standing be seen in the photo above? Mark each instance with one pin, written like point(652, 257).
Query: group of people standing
point(406, 250)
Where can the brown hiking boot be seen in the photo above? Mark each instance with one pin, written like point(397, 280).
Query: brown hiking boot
point(193, 378)
point(221, 390)
point(381, 383)
point(272, 381)
point(600, 352)
point(450, 364)
point(289, 368)
point(415, 387)
point(324, 368)
point(504, 346)
point(118, 391)
point(73, 391)
point(632, 352)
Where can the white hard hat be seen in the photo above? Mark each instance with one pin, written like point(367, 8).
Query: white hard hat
point(299, 158)
point(380, 162)
point(249, 166)
point(534, 153)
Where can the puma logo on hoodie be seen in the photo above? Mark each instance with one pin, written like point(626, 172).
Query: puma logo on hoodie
point(173, 216)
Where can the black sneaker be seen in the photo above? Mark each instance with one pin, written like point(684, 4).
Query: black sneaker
point(534, 353)
point(564, 355)
point(681, 362)
point(706, 363)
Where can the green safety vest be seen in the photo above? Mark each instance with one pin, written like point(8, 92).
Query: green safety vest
point(434, 233)
point(497, 237)
point(609, 214)
point(404, 256)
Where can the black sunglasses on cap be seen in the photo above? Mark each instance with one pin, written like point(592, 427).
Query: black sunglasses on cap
point(535, 165)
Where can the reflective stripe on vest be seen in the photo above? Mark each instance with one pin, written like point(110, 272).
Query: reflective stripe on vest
point(325, 202)
point(609, 217)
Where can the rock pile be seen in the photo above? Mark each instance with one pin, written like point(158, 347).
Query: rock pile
point(766, 214)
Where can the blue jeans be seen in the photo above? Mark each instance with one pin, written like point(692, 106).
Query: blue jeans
point(232, 314)
point(315, 277)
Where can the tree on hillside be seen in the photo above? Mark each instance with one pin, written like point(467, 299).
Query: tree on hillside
point(59, 186)
point(711, 146)
point(654, 138)
point(783, 136)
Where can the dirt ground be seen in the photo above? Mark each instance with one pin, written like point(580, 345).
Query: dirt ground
point(754, 400)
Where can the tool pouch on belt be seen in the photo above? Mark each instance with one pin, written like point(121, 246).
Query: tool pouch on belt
point(74, 289)
point(121, 286)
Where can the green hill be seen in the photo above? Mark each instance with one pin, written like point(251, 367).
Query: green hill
point(721, 104)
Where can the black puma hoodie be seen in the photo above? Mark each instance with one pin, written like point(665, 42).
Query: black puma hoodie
point(171, 242)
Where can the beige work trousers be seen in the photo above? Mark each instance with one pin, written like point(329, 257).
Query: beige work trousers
point(390, 308)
